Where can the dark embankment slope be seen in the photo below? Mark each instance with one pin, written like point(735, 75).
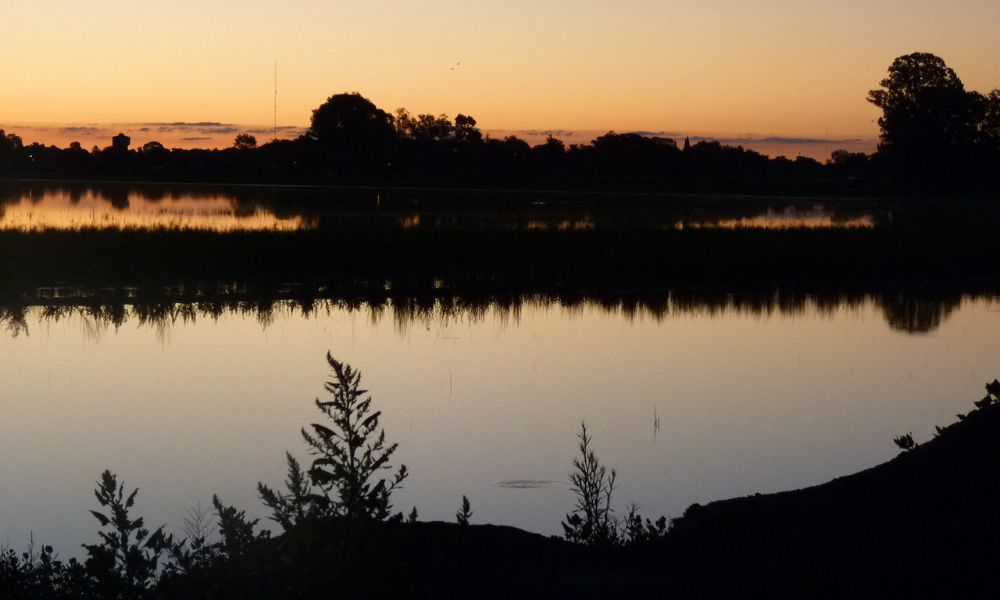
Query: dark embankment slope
point(922, 525)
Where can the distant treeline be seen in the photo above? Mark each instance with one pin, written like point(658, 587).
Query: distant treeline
point(936, 138)
point(437, 151)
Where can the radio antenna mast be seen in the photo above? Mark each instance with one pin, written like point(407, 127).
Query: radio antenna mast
point(275, 100)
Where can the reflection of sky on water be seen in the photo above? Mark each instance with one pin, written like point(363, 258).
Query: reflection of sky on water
point(67, 210)
point(482, 404)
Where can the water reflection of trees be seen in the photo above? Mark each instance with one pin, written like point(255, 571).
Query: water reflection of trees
point(918, 315)
point(904, 312)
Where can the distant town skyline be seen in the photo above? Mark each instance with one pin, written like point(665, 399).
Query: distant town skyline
point(747, 70)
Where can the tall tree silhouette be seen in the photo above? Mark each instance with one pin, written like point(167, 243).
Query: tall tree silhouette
point(351, 130)
point(925, 109)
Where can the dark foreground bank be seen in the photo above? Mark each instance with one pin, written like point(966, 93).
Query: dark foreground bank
point(921, 525)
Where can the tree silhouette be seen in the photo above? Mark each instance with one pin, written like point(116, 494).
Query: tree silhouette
point(9, 142)
point(989, 128)
point(350, 129)
point(466, 131)
point(925, 109)
point(425, 128)
point(245, 141)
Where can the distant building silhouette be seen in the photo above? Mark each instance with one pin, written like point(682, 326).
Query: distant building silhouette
point(120, 142)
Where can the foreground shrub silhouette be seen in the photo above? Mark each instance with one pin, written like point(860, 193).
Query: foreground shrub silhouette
point(839, 539)
point(905, 441)
point(637, 530)
point(236, 531)
point(350, 456)
point(465, 513)
point(194, 551)
point(126, 562)
point(296, 506)
point(592, 521)
point(41, 575)
point(992, 397)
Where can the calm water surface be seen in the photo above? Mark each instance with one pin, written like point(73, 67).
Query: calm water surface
point(486, 404)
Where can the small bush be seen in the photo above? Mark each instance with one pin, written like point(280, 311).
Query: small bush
point(126, 562)
point(465, 513)
point(592, 521)
point(299, 504)
point(905, 441)
point(350, 456)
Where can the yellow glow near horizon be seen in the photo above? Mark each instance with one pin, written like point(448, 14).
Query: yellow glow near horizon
point(776, 67)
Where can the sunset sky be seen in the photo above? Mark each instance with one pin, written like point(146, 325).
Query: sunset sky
point(790, 68)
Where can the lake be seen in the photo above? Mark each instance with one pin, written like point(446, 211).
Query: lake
point(693, 397)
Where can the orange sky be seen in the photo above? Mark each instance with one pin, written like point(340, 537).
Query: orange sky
point(708, 67)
